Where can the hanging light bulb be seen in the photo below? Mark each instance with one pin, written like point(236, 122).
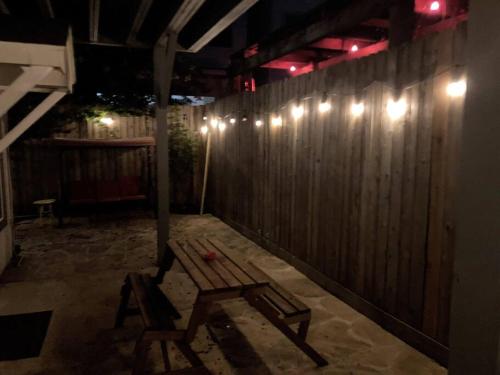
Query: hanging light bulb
point(205, 118)
point(297, 112)
point(232, 120)
point(244, 118)
point(324, 107)
point(214, 122)
point(435, 6)
point(222, 126)
point(106, 121)
point(354, 48)
point(396, 109)
point(259, 123)
point(277, 121)
point(293, 68)
point(457, 89)
point(357, 109)
point(204, 129)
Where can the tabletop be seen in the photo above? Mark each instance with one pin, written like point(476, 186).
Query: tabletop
point(225, 272)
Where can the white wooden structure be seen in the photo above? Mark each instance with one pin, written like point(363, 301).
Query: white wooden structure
point(33, 67)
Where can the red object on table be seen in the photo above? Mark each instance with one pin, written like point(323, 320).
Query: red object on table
point(210, 255)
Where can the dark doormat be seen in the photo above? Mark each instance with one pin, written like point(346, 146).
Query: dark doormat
point(22, 335)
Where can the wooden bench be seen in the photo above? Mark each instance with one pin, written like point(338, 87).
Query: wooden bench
point(157, 313)
point(283, 309)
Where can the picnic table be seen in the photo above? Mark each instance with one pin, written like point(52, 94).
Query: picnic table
point(219, 274)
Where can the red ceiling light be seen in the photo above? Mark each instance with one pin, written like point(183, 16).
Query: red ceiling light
point(435, 6)
point(293, 68)
point(354, 48)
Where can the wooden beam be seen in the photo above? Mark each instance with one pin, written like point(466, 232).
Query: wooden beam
point(46, 8)
point(3, 7)
point(339, 22)
point(185, 12)
point(140, 16)
point(402, 21)
point(222, 24)
point(94, 10)
point(164, 58)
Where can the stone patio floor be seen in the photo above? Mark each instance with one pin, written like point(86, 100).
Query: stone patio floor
point(77, 272)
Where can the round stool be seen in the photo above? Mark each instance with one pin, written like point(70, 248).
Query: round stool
point(45, 208)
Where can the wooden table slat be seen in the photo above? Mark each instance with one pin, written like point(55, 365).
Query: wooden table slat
point(229, 265)
point(247, 268)
point(209, 273)
point(198, 277)
point(216, 265)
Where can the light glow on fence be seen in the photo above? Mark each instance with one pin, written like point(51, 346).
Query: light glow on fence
point(297, 112)
point(396, 109)
point(457, 89)
point(222, 126)
point(357, 109)
point(214, 122)
point(106, 121)
point(324, 107)
point(258, 123)
point(232, 120)
point(204, 129)
point(277, 121)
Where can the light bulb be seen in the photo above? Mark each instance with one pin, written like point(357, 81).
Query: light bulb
point(357, 109)
point(354, 48)
point(205, 118)
point(435, 5)
point(293, 68)
point(324, 107)
point(232, 120)
point(258, 123)
point(106, 121)
point(396, 109)
point(244, 118)
point(222, 126)
point(297, 111)
point(457, 88)
point(276, 121)
point(204, 129)
point(214, 122)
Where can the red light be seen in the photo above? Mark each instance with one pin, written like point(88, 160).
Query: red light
point(355, 48)
point(293, 68)
point(435, 5)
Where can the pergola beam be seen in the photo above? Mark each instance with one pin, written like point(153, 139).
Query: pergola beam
point(222, 24)
point(46, 8)
point(185, 12)
point(94, 10)
point(140, 16)
point(339, 22)
point(3, 7)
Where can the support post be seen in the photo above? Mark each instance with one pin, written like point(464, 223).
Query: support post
point(164, 56)
point(402, 21)
point(475, 308)
point(205, 174)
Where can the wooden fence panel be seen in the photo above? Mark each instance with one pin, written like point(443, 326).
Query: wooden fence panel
point(363, 205)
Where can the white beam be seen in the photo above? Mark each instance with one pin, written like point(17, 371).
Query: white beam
point(3, 8)
point(22, 85)
point(94, 10)
point(185, 12)
point(140, 16)
point(223, 23)
point(29, 120)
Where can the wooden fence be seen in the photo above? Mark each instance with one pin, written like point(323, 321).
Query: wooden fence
point(35, 173)
point(363, 205)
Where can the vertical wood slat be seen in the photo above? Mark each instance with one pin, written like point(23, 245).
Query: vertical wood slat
point(366, 201)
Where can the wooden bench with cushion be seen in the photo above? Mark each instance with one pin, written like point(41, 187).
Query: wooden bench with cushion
point(158, 314)
point(283, 309)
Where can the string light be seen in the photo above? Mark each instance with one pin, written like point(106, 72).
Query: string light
point(357, 109)
point(205, 118)
point(435, 5)
point(106, 121)
point(277, 121)
point(232, 120)
point(204, 129)
point(324, 107)
point(244, 118)
point(222, 126)
point(297, 112)
point(396, 109)
point(457, 89)
point(354, 48)
point(214, 122)
point(258, 123)
point(293, 68)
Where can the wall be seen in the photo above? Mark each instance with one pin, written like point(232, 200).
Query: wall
point(364, 206)
point(6, 234)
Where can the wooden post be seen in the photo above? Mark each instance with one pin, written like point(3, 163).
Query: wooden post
point(205, 175)
point(164, 56)
point(402, 18)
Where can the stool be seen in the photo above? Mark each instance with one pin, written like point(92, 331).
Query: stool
point(45, 208)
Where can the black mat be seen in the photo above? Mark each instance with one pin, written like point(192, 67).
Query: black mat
point(22, 335)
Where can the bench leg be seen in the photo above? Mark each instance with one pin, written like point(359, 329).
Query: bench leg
point(264, 309)
point(198, 317)
point(164, 353)
point(142, 348)
point(303, 328)
point(122, 310)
